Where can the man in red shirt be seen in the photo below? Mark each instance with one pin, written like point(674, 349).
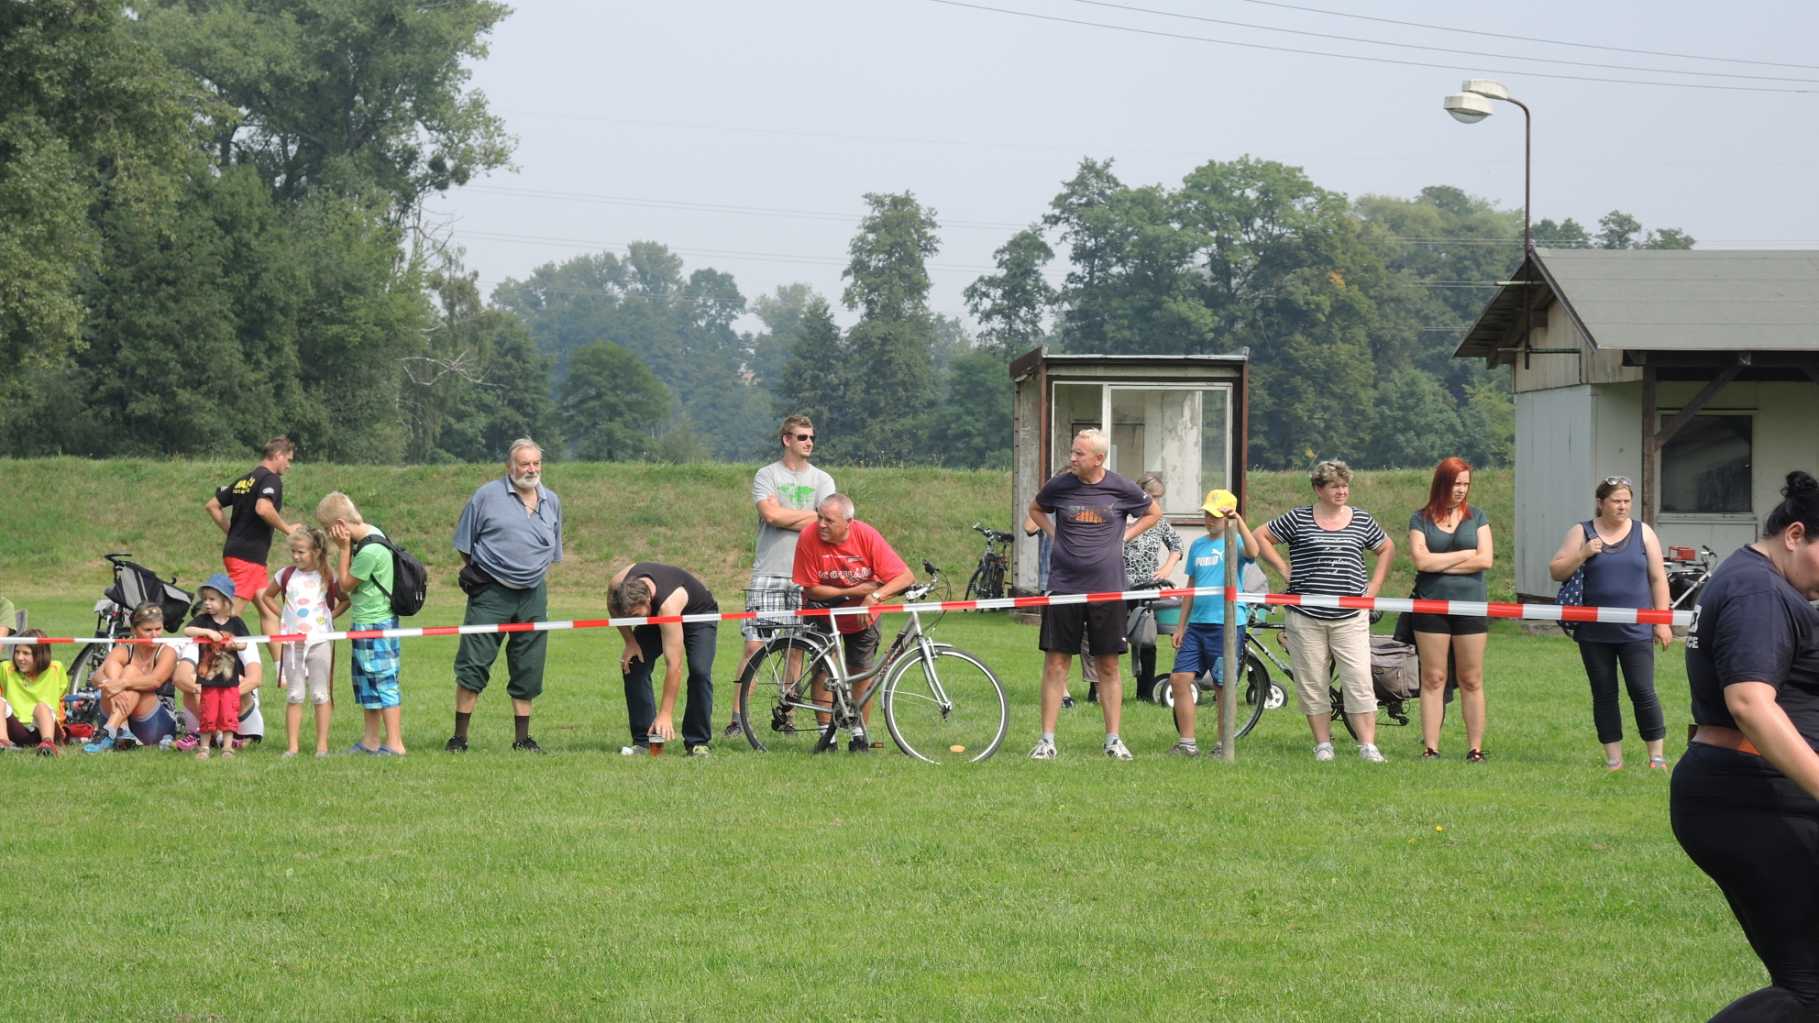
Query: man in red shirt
point(848, 563)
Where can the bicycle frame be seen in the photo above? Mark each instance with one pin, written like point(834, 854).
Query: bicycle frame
point(841, 686)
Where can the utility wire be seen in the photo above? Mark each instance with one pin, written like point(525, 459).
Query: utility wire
point(1184, 37)
point(1525, 39)
point(1439, 49)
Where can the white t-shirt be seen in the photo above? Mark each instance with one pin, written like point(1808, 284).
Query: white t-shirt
point(799, 491)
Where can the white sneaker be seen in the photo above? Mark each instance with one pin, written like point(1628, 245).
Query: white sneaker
point(1115, 749)
point(1369, 753)
point(1045, 750)
point(1323, 751)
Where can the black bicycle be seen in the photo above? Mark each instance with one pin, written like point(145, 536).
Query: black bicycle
point(987, 582)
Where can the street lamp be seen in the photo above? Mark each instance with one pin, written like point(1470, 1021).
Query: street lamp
point(1473, 104)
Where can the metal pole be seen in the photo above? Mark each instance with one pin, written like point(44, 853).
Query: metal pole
point(1228, 692)
point(1528, 236)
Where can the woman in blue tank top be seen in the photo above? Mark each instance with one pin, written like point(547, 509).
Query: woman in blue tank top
point(1622, 562)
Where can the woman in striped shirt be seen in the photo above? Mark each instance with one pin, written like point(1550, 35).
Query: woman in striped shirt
point(1326, 545)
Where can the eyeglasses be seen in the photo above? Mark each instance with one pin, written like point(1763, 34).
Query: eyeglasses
point(803, 436)
point(1617, 481)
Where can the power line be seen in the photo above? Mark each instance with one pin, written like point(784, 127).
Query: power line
point(710, 207)
point(1525, 39)
point(1438, 49)
point(1184, 37)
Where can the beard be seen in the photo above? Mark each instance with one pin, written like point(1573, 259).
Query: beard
point(528, 481)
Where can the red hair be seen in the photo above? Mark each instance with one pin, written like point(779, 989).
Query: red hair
point(1441, 492)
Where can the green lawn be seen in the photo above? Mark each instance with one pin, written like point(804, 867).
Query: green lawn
point(751, 886)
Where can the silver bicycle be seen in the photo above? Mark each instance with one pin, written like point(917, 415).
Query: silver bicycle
point(940, 703)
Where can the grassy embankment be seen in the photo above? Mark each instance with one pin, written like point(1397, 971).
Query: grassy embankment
point(698, 516)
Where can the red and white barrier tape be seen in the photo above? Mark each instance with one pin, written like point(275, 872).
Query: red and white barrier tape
point(1393, 605)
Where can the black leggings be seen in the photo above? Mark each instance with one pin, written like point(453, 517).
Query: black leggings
point(1756, 834)
point(1638, 661)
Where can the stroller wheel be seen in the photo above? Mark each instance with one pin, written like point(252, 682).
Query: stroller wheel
point(1164, 693)
point(1277, 697)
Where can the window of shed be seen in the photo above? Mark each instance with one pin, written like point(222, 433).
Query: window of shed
point(1705, 468)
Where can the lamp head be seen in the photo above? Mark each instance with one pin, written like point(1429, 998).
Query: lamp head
point(1485, 87)
point(1467, 107)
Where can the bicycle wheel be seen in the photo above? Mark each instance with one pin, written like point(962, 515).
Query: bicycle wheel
point(992, 586)
point(777, 708)
point(949, 711)
point(1253, 696)
point(87, 710)
point(973, 585)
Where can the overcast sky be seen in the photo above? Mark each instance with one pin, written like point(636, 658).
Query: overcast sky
point(743, 135)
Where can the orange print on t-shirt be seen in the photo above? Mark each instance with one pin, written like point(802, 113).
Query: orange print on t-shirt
point(1087, 514)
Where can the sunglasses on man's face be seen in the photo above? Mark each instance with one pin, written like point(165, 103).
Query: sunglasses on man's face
point(804, 436)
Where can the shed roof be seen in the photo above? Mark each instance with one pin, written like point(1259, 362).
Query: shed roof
point(1668, 300)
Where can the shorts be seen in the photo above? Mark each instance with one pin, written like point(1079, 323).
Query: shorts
point(154, 727)
point(1451, 625)
point(769, 593)
point(1202, 650)
point(375, 667)
point(20, 733)
point(304, 671)
point(1100, 625)
point(249, 577)
point(220, 709)
point(861, 648)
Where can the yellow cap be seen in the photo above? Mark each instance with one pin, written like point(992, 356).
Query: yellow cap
point(1220, 503)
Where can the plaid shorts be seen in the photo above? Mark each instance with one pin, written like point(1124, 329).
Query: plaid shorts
point(769, 593)
point(376, 667)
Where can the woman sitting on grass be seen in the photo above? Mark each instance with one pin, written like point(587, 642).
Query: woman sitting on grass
point(34, 686)
point(129, 680)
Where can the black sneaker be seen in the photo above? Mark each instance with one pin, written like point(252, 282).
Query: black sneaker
point(859, 744)
point(455, 744)
point(527, 745)
point(1067, 701)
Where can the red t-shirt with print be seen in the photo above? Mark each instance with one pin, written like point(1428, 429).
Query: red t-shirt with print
point(862, 557)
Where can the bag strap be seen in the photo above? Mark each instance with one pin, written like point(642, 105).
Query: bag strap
point(381, 541)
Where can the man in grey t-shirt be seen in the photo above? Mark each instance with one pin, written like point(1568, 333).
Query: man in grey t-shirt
point(786, 493)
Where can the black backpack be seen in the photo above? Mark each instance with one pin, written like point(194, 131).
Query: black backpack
point(410, 580)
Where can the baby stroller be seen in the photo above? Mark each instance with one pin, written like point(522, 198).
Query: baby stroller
point(133, 585)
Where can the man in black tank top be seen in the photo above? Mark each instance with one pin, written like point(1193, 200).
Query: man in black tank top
point(651, 589)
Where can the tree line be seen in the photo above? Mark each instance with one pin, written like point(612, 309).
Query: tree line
point(211, 231)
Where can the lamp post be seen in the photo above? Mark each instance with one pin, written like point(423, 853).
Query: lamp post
point(1473, 104)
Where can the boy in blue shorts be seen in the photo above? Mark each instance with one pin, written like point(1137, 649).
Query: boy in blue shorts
point(365, 575)
point(1199, 637)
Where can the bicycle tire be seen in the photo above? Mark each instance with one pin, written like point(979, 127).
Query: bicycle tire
point(972, 585)
point(1254, 697)
point(776, 709)
point(957, 714)
point(994, 579)
point(80, 671)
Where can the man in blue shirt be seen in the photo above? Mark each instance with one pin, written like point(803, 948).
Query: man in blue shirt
point(508, 536)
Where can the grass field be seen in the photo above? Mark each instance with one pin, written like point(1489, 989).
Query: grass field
point(585, 885)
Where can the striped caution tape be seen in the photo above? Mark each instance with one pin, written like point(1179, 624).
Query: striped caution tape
point(1391, 605)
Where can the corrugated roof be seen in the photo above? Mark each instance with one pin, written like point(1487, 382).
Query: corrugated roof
point(1671, 301)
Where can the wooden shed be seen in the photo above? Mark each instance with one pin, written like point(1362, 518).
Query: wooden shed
point(1185, 416)
point(1691, 373)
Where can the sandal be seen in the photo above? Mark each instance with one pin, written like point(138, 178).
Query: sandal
point(1613, 765)
point(1430, 753)
point(1474, 756)
point(1657, 763)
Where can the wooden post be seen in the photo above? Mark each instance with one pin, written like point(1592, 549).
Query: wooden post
point(1234, 657)
point(1651, 448)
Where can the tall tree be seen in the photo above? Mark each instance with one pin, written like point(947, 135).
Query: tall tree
point(352, 95)
point(781, 312)
point(1617, 230)
point(887, 283)
point(613, 406)
point(817, 382)
point(1011, 304)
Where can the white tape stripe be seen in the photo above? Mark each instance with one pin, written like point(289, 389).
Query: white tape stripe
point(1456, 608)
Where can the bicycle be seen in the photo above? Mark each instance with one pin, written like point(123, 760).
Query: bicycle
point(987, 582)
point(133, 585)
point(940, 703)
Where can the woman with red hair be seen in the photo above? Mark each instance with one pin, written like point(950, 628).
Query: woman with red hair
point(1450, 542)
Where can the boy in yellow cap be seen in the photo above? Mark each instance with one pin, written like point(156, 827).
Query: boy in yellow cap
point(1199, 637)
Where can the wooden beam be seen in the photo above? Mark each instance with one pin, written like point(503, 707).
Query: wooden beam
point(1651, 449)
point(1691, 409)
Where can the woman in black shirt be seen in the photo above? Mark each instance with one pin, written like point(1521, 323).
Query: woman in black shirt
point(1745, 799)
